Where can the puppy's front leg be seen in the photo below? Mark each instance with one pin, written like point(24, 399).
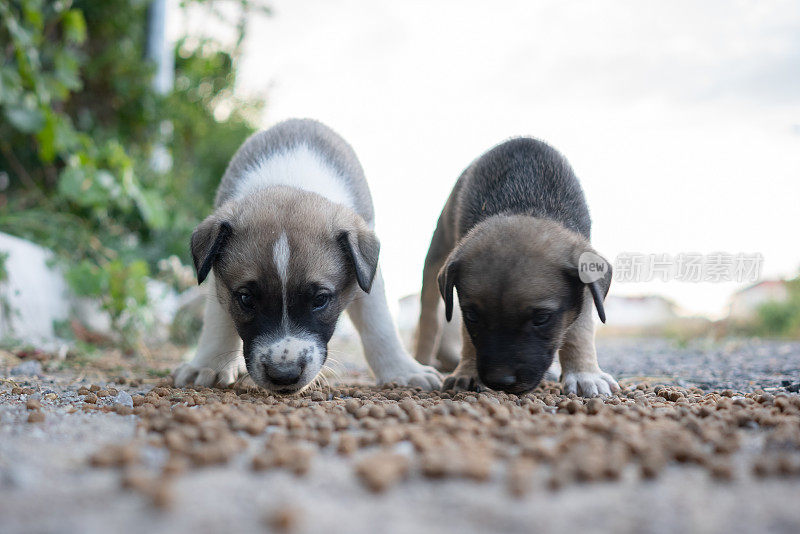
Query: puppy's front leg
point(382, 346)
point(430, 319)
point(465, 375)
point(219, 359)
point(580, 372)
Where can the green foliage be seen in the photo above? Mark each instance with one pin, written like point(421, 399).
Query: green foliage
point(80, 125)
point(3, 270)
point(781, 319)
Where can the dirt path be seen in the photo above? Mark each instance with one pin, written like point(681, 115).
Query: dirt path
point(47, 485)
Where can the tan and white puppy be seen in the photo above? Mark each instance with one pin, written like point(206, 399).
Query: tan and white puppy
point(513, 240)
point(289, 247)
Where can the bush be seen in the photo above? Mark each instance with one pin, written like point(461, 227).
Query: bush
point(781, 319)
point(80, 125)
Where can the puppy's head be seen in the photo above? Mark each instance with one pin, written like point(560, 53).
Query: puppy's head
point(519, 290)
point(286, 264)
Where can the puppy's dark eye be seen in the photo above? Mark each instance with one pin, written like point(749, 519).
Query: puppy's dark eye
point(320, 301)
point(246, 300)
point(541, 318)
point(470, 315)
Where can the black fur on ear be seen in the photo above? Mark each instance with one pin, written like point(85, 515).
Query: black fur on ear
point(598, 288)
point(362, 248)
point(208, 242)
point(583, 265)
point(447, 279)
point(595, 289)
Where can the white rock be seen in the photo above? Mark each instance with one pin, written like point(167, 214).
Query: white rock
point(35, 293)
point(124, 398)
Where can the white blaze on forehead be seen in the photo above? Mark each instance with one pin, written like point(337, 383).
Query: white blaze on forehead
point(280, 257)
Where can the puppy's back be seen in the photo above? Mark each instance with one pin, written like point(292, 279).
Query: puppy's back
point(522, 176)
point(336, 172)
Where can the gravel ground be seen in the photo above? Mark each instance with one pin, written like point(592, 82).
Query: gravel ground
point(47, 485)
point(744, 365)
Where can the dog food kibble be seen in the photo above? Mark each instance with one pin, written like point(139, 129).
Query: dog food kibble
point(389, 433)
point(284, 519)
point(520, 473)
point(348, 444)
point(352, 405)
point(594, 406)
point(382, 470)
point(36, 416)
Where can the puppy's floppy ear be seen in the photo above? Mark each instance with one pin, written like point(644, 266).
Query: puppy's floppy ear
point(208, 242)
point(595, 271)
point(447, 279)
point(599, 290)
point(361, 246)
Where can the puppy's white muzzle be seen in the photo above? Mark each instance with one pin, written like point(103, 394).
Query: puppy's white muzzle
point(286, 365)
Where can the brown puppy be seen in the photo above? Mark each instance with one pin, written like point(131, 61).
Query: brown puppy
point(513, 240)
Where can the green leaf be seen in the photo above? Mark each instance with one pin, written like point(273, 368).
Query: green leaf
point(81, 186)
point(152, 209)
point(10, 85)
point(32, 11)
point(66, 64)
point(74, 26)
point(47, 138)
point(25, 119)
point(86, 279)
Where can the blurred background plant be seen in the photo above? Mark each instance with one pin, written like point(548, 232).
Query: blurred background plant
point(83, 135)
point(780, 318)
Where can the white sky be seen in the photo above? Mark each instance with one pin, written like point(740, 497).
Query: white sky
point(681, 118)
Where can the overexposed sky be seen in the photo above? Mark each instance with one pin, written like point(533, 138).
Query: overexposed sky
point(681, 118)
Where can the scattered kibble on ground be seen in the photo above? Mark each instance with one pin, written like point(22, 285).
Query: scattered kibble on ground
point(392, 433)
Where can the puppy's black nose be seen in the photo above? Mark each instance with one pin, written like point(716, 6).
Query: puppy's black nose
point(285, 374)
point(501, 379)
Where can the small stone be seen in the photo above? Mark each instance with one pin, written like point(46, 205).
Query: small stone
point(90, 398)
point(33, 404)
point(124, 399)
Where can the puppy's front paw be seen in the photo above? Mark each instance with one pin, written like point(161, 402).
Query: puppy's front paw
point(589, 384)
point(414, 375)
point(459, 382)
point(193, 374)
